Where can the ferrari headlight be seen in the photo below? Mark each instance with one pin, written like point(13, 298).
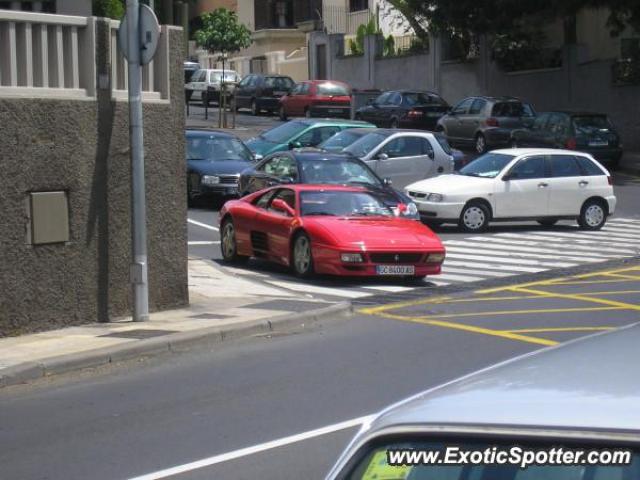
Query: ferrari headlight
point(210, 180)
point(435, 257)
point(351, 258)
point(435, 197)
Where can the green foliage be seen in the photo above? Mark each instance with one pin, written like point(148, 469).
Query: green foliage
point(389, 47)
point(370, 28)
point(109, 8)
point(221, 32)
point(523, 50)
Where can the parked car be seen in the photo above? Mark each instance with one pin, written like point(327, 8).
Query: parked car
point(341, 140)
point(317, 98)
point(262, 92)
point(205, 84)
point(404, 109)
point(214, 162)
point(582, 395)
point(299, 134)
point(189, 69)
point(403, 156)
point(519, 184)
point(323, 168)
point(586, 132)
point(337, 230)
point(485, 122)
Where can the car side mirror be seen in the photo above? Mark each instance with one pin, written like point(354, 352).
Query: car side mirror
point(257, 157)
point(386, 182)
point(382, 156)
point(280, 205)
point(293, 145)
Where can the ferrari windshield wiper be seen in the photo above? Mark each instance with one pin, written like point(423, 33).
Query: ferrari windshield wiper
point(321, 213)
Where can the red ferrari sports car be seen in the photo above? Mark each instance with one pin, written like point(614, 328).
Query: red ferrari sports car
point(328, 229)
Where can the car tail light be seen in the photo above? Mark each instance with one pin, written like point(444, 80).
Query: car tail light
point(609, 179)
point(492, 122)
point(570, 144)
point(415, 113)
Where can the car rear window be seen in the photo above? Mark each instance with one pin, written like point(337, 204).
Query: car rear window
point(589, 167)
point(512, 109)
point(333, 89)
point(589, 123)
point(418, 98)
point(279, 83)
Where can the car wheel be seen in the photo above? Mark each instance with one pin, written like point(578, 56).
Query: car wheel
point(254, 108)
point(307, 112)
point(302, 257)
point(474, 217)
point(548, 222)
point(593, 215)
point(283, 114)
point(228, 244)
point(481, 143)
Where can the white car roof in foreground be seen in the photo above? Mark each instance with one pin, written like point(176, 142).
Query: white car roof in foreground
point(536, 151)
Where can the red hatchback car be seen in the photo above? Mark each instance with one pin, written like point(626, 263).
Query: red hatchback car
point(328, 229)
point(317, 98)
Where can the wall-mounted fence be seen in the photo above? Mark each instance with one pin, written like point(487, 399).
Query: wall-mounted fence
point(46, 55)
point(338, 19)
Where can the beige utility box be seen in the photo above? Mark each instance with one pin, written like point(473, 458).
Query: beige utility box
point(49, 217)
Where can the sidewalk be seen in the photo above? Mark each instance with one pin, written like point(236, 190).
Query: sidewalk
point(630, 163)
point(223, 307)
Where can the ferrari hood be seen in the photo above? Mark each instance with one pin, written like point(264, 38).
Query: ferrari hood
point(378, 233)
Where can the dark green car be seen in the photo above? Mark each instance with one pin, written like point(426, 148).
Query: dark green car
point(298, 134)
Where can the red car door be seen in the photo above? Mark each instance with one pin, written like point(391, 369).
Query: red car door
point(300, 99)
point(272, 228)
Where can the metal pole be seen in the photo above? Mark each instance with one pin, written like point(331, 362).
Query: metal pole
point(139, 277)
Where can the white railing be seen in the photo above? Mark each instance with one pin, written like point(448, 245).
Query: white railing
point(45, 54)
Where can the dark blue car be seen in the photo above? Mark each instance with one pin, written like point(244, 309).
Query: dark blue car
point(214, 162)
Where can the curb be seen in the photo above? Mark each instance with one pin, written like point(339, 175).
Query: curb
point(172, 343)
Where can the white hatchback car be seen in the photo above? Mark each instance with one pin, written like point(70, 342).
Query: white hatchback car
point(519, 184)
point(206, 82)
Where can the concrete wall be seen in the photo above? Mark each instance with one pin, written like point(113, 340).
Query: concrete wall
point(82, 147)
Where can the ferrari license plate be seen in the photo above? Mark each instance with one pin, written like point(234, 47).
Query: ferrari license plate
point(395, 269)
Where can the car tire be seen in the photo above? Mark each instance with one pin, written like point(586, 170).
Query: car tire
point(302, 256)
point(547, 222)
point(255, 111)
point(228, 244)
point(481, 144)
point(593, 215)
point(475, 217)
point(283, 113)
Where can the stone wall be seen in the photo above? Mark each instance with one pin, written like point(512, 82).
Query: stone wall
point(81, 146)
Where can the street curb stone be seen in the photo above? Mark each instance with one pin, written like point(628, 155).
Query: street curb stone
point(172, 343)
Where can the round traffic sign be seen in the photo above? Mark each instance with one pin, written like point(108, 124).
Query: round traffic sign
point(149, 35)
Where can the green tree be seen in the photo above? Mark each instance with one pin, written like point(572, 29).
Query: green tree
point(222, 33)
point(109, 8)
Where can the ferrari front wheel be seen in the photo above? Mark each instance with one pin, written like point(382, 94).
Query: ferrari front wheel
point(229, 245)
point(302, 257)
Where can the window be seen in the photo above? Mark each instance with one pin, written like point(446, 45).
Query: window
point(333, 89)
point(285, 194)
point(477, 106)
point(303, 89)
point(404, 147)
point(418, 98)
point(588, 166)
point(559, 124)
point(488, 165)
point(382, 99)
point(297, 89)
point(357, 5)
point(338, 171)
point(395, 99)
point(340, 204)
point(278, 83)
point(263, 200)
point(540, 122)
point(199, 76)
point(565, 166)
point(284, 133)
point(281, 166)
point(528, 168)
point(216, 149)
point(512, 109)
point(316, 136)
point(245, 81)
point(463, 106)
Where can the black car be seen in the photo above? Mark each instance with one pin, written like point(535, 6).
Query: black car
point(214, 162)
point(404, 109)
point(586, 132)
point(322, 168)
point(485, 122)
point(262, 92)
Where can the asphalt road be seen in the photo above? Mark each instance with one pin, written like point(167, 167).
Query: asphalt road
point(206, 406)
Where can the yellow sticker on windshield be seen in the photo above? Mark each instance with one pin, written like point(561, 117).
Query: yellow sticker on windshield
point(379, 469)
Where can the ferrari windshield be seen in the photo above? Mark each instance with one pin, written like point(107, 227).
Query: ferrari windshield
point(342, 204)
point(215, 149)
point(360, 148)
point(338, 171)
point(488, 165)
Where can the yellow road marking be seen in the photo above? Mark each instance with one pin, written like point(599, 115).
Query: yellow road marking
point(394, 306)
point(619, 275)
point(581, 297)
point(589, 282)
point(521, 312)
point(559, 329)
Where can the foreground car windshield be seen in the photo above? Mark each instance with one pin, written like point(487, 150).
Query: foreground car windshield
point(342, 204)
point(283, 133)
point(340, 140)
point(385, 461)
point(337, 171)
point(362, 147)
point(217, 149)
point(488, 165)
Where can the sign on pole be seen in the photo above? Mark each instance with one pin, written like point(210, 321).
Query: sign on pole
point(149, 33)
